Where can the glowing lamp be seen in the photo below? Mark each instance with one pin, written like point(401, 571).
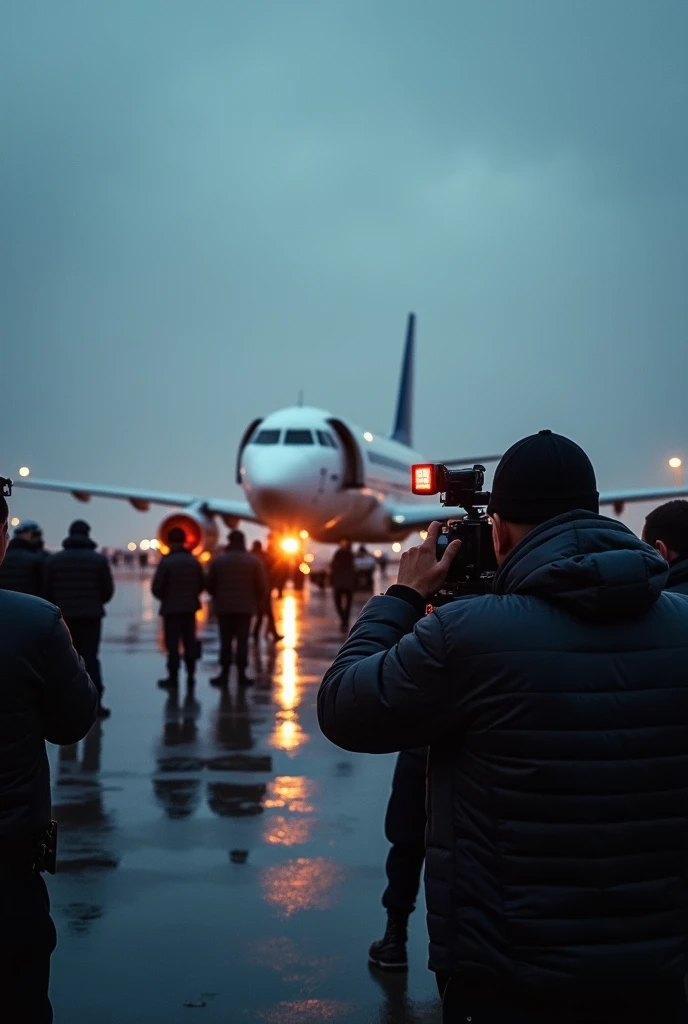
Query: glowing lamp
point(423, 479)
point(675, 462)
point(396, 547)
point(304, 535)
point(131, 546)
point(144, 545)
point(24, 471)
point(368, 436)
point(205, 556)
point(290, 545)
point(305, 568)
point(15, 522)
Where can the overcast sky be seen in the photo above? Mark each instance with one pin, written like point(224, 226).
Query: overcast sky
point(209, 206)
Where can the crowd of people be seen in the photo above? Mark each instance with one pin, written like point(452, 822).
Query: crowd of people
point(541, 731)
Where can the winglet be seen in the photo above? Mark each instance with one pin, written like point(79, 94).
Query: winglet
point(403, 422)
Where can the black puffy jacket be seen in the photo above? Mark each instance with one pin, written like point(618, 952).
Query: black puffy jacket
point(78, 579)
point(238, 583)
point(678, 576)
point(556, 710)
point(45, 694)
point(178, 581)
point(22, 568)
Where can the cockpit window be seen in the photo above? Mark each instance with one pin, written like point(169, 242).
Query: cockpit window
point(325, 439)
point(267, 437)
point(298, 437)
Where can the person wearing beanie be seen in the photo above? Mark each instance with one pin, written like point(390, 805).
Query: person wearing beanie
point(555, 708)
point(238, 585)
point(22, 568)
point(178, 583)
point(79, 581)
point(666, 529)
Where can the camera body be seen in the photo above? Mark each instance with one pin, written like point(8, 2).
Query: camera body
point(474, 567)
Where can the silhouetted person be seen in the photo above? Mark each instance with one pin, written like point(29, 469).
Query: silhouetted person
point(22, 569)
point(666, 529)
point(265, 611)
point(238, 585)
point(555, 708)
point(79, 581)
point(178, 583)
point(405, 823)
point(37, 541)
point(343, 579)
point(45, 694)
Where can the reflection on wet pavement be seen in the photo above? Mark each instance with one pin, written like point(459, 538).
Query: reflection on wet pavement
point(217, 849)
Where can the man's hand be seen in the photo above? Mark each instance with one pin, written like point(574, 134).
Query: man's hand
point(419, 568)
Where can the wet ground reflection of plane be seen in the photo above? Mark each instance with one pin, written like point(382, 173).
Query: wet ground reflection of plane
point(85, 824)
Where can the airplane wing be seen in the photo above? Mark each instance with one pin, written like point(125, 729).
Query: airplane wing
point(142, 500)
point(419, 516)
point(652, 494)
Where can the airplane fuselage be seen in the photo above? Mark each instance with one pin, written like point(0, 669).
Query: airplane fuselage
point(303, 469)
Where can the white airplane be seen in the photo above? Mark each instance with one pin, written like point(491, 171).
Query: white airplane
point(304, 471)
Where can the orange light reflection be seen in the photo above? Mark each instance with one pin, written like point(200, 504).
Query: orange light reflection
point(302, 884)
point(283, 831)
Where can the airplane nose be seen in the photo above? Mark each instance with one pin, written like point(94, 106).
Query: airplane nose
point(281, 485)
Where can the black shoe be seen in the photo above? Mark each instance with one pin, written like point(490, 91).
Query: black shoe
point(245, 680)
point(221, 681)
point(171, 683)
point(103, 712)
point(389, 952)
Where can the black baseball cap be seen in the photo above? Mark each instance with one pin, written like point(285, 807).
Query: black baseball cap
point(543, 476)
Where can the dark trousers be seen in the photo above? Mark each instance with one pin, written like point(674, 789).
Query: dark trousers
point(405, 830)
point(234, 627)
point(269, 617)
point(459, 1007)
point(86, 639)
point(342, 602)
point(27, 939)
point(180, 628)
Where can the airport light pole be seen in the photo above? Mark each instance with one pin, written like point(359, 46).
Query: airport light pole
point(676, 465)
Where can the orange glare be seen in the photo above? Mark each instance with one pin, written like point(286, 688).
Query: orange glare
point(290, 545)
point(423, 479)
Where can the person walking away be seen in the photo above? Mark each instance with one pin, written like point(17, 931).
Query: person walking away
point(666, 530)
point(178, 583)
point(265, 612)
point(343, 579)
point(238, 586)
point(22, 568)
point(79, 581)
point(556, 713)
point(405, 823)
point(45, 694)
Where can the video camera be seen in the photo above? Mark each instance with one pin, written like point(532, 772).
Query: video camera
point(474, 567)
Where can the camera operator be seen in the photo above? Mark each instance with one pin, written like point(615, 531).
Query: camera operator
point(45, 694)
point(556, 711)
point(666, 529)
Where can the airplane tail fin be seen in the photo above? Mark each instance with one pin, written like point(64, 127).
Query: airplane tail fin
point(403, 422)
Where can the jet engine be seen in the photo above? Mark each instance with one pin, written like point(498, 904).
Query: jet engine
point(199, 529)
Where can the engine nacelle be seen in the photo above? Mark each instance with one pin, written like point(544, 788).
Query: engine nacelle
point(200, 531)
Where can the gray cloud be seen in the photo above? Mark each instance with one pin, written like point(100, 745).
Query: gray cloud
point(207, 207)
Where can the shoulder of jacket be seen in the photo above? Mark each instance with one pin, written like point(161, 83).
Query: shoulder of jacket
point(26, 606)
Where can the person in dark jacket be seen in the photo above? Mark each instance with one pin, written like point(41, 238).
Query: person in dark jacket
point(79, 581)
point(343, 579)
point(666, 529)
point(238, 585)
point(22, 568)
point(265, 611)
point(178, 583)
point(405, 823)
point(45, 694)
point(556, 712)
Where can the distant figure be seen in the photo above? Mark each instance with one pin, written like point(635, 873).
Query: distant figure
point(238, 585)
point(666, 530)
point(37, 542)
point(265, 612)
point(343, 577)
point(178, 583)
point(78, 580)
point(22, 569)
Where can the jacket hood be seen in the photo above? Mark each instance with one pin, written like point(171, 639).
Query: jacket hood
point(678, 572)
point(78, 541)
point(590, 565)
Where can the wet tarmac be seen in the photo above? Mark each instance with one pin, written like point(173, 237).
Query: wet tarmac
point(218, 851)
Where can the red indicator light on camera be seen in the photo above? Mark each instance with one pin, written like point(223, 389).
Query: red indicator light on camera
point(423, 479)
